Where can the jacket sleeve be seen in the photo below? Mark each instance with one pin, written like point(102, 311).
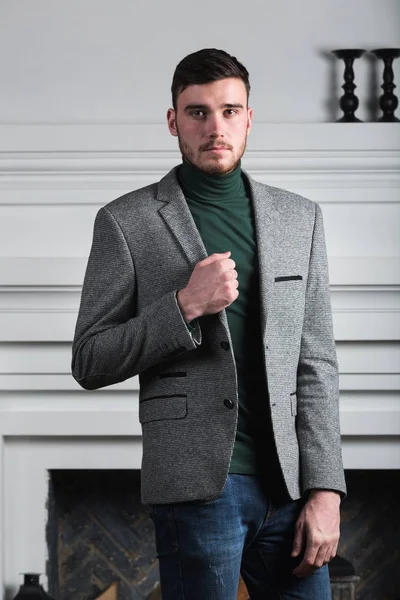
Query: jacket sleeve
point(318, 426)
point(112, 341)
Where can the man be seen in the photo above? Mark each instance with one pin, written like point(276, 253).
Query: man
point(214, 289)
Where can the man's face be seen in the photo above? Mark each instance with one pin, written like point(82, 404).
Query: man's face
point(211, 122)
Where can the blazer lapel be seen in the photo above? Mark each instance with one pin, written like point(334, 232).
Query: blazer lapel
point(266, 225)
point(178, 217)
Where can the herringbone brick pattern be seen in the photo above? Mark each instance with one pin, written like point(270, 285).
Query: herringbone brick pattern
point(100, 534)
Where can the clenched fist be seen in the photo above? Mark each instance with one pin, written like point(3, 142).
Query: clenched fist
point(211, 288)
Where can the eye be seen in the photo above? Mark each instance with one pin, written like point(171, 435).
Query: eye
point(230, 112)
point(197, 114)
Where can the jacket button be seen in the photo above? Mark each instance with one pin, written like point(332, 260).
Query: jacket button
point(225, 345)
point(228, 403)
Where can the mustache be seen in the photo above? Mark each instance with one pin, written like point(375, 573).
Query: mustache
point(215, 145)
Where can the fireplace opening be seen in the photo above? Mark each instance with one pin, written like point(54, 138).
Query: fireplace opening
point(98, 533)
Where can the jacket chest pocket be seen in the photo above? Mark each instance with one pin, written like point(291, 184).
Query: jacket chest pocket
point(163, 407)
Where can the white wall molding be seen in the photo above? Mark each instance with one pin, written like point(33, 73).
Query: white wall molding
point(63, 382)
point(322, 168)
point(151, 137)
point(68, 272)
point(361, 158)
point(372, 414)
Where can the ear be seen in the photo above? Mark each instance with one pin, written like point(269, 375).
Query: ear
point(171, 120)
point(249, 119)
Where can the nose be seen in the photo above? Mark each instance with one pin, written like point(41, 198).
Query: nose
point(215, 126)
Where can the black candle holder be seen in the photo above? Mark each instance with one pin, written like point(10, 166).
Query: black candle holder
point(388, 101)
point(31, 589)
point(349, 101)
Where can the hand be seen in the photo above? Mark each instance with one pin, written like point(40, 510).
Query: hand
point(318, 529)
point(211, 288)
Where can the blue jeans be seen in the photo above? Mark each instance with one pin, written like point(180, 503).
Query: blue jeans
point(203, 546)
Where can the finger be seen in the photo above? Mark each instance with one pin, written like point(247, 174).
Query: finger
point(213, 258)
point(322, 555)
point(334, 550)
point(227, 264)
point(328, 555)
point(229, 275)
point(306, 567)
point(298, 539)
point(331, 552)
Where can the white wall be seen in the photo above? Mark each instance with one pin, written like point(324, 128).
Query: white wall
point(112, 61)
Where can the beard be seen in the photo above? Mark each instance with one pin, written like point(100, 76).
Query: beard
point(215, 166)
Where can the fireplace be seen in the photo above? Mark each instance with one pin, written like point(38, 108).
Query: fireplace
point(98, 532)
point(49, 520)
point(87, 434)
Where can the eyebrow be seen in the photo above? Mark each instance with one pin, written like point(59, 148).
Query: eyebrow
point(206, 107)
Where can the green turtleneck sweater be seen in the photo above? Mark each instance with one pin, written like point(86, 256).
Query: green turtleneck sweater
point(222, 210)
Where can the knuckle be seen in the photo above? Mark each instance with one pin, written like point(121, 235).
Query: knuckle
point(318, 541)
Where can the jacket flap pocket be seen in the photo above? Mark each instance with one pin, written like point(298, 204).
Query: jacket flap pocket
point(161, 408)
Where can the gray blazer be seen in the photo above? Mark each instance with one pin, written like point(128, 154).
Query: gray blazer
point(145, 246)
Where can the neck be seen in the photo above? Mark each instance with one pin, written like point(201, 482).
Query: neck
point(206, 187)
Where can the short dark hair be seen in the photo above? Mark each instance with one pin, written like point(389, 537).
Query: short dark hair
point(205, 66)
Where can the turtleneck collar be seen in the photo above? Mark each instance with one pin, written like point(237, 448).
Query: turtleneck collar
point(207, 188)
